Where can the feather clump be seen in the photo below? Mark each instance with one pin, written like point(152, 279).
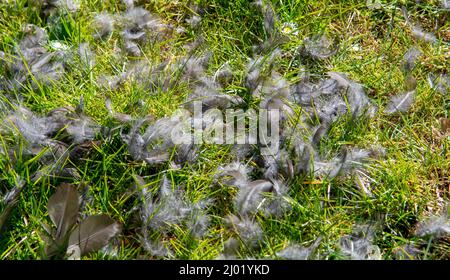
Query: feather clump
point(417, 30)
point(168, 209)
point(359, 245)
point(318, 47)
point(49, 7)
point(39, 130)
point(155, 145)
point(329, 99)
point(437, 226)
point(140, 26)
point(298, 252)
point(235, 174)
point(103, 25)
point(33, 63)
point(248, 230)
point(265, 196)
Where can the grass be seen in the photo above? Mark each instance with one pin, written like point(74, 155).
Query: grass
point(409, 185)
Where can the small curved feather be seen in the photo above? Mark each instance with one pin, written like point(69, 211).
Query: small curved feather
point(132, 48)
point(194, 21)
point(445, 4)
point(410, 59)
point(359, 245)
point(63, 208)
point(420, 34)
point(270, 17)
point(248, 230)
point(298, 252)
point(234, 173)
point(10, 200)
point(359, 249)
point(319, 47)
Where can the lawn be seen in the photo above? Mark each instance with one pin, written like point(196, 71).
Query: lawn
point(88, 92)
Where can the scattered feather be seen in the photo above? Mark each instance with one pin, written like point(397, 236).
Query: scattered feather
point(103, 25)
point(129, 4)
point(400, 103)
point(445, 4)
point(410, 59)
point(86, 55)
point(359, 103)
point(230, 249)
point(171, 208)
point(250, 196)
point(49, 7)
point(194, 21)
point(209, 94)
point(298, 252)
point(440, 83)
point(141, 25)
point(235, 174)
point(318, 47)
point(418, 33)
point(257, 70)
point(156, 248)
point(224, 75)
point(276, 95)
point(248, 231)
point(132, 48)
point(91, 234)
point(75, 240)
point(407, 252)
point(33, 63)
point(417, 30)
point(270, 17)
point(63, 209)
point(10, 200)
point(359, 245)
point(438, 226)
